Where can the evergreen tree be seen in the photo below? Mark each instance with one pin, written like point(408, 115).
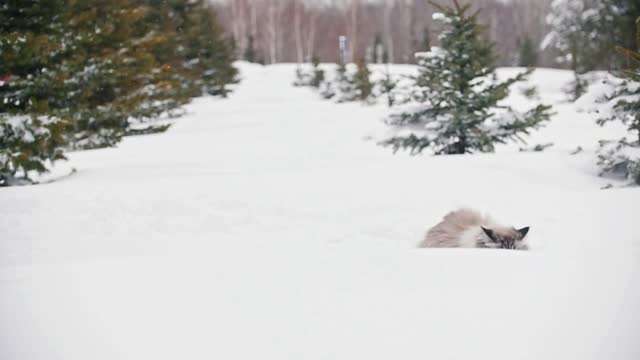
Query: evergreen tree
point(527, 54)
point(114, 77)
point(28, 144)
point(208, 54)
point(342, 87)
point(572, 35)
point(362, 82)
point(318, 73)
point(456, 95)
point(585, 33)
point(386, 86)
point(610, 24)
point(622, 157)
point(96, 68)
point(197, 48)
point(311, 76)
point(303, 78)
point(250, 51)
point(380, 52)
point(30, 88)
point(138, 59)
point(426, 40)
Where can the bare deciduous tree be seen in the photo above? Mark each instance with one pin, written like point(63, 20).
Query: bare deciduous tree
point(295, 30)
point(297, 21)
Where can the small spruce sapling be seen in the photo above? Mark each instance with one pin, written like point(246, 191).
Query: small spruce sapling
point(342, 87)
point(28, 144)
point(362, 83)
point(386, 86)
point(318, 73)
point(313, 76)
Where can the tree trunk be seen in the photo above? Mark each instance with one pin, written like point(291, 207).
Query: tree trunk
point(353, 31)
point(272, 32)
point(298, 8)
point(388, 31)
point(311, 37)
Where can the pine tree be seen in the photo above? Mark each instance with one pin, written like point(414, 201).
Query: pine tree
point(380, 52)
point(85, 73)
point(250, 52)
point(622, 157)
point(386, 87)
point(303, 78)
point(312, 76)
point(527, 54)
point(342, 87)
point(197, 49)
point(569, 36)
point(362, 83)
point(30, 88)
point(318, 73)
point(28, 144)
point(207, 53)
point(166, 20)
point(456, 95)
point(426, 40)
point(611, 25)
point(114, 77)
point(134, 60)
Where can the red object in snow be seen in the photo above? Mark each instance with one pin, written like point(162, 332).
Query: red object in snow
point(7, 78)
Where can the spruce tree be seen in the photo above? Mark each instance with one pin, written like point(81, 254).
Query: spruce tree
point(426, 40)
point(250, 52)
point(527, 54)
point(610, 24)
point(31, 88)
point(303, 78)
point(380, 52)
point(82, 74)
point(575, 34)
point(207, 54)
point(622, 157)
point(196, 48)
point(456, 96)
point(385, 87)
point(138, 59)
point(362, 82)
point(342, 87)
point(115, 78)
point(312, 76)
point(318, 74)
point(28, 144)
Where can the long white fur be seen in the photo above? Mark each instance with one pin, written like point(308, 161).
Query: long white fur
point(463, 228)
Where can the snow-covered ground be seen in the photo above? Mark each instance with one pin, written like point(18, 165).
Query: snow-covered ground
point(270, 226)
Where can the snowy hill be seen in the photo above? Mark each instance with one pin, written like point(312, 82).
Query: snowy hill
point(270, 226)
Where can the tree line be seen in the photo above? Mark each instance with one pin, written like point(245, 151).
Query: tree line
point(83, 74)
point(271, 31)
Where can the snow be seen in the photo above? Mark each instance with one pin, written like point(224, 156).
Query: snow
point(269, 225)
point(438, 16)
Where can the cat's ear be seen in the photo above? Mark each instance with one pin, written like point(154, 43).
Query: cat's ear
point(523, 232)
point(489, 233)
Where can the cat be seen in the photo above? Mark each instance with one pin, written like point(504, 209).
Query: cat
point(466, 228)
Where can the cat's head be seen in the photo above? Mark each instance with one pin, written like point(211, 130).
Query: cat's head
point(505, 238)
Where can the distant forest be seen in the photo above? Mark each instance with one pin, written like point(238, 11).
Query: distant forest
point(272, 31)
